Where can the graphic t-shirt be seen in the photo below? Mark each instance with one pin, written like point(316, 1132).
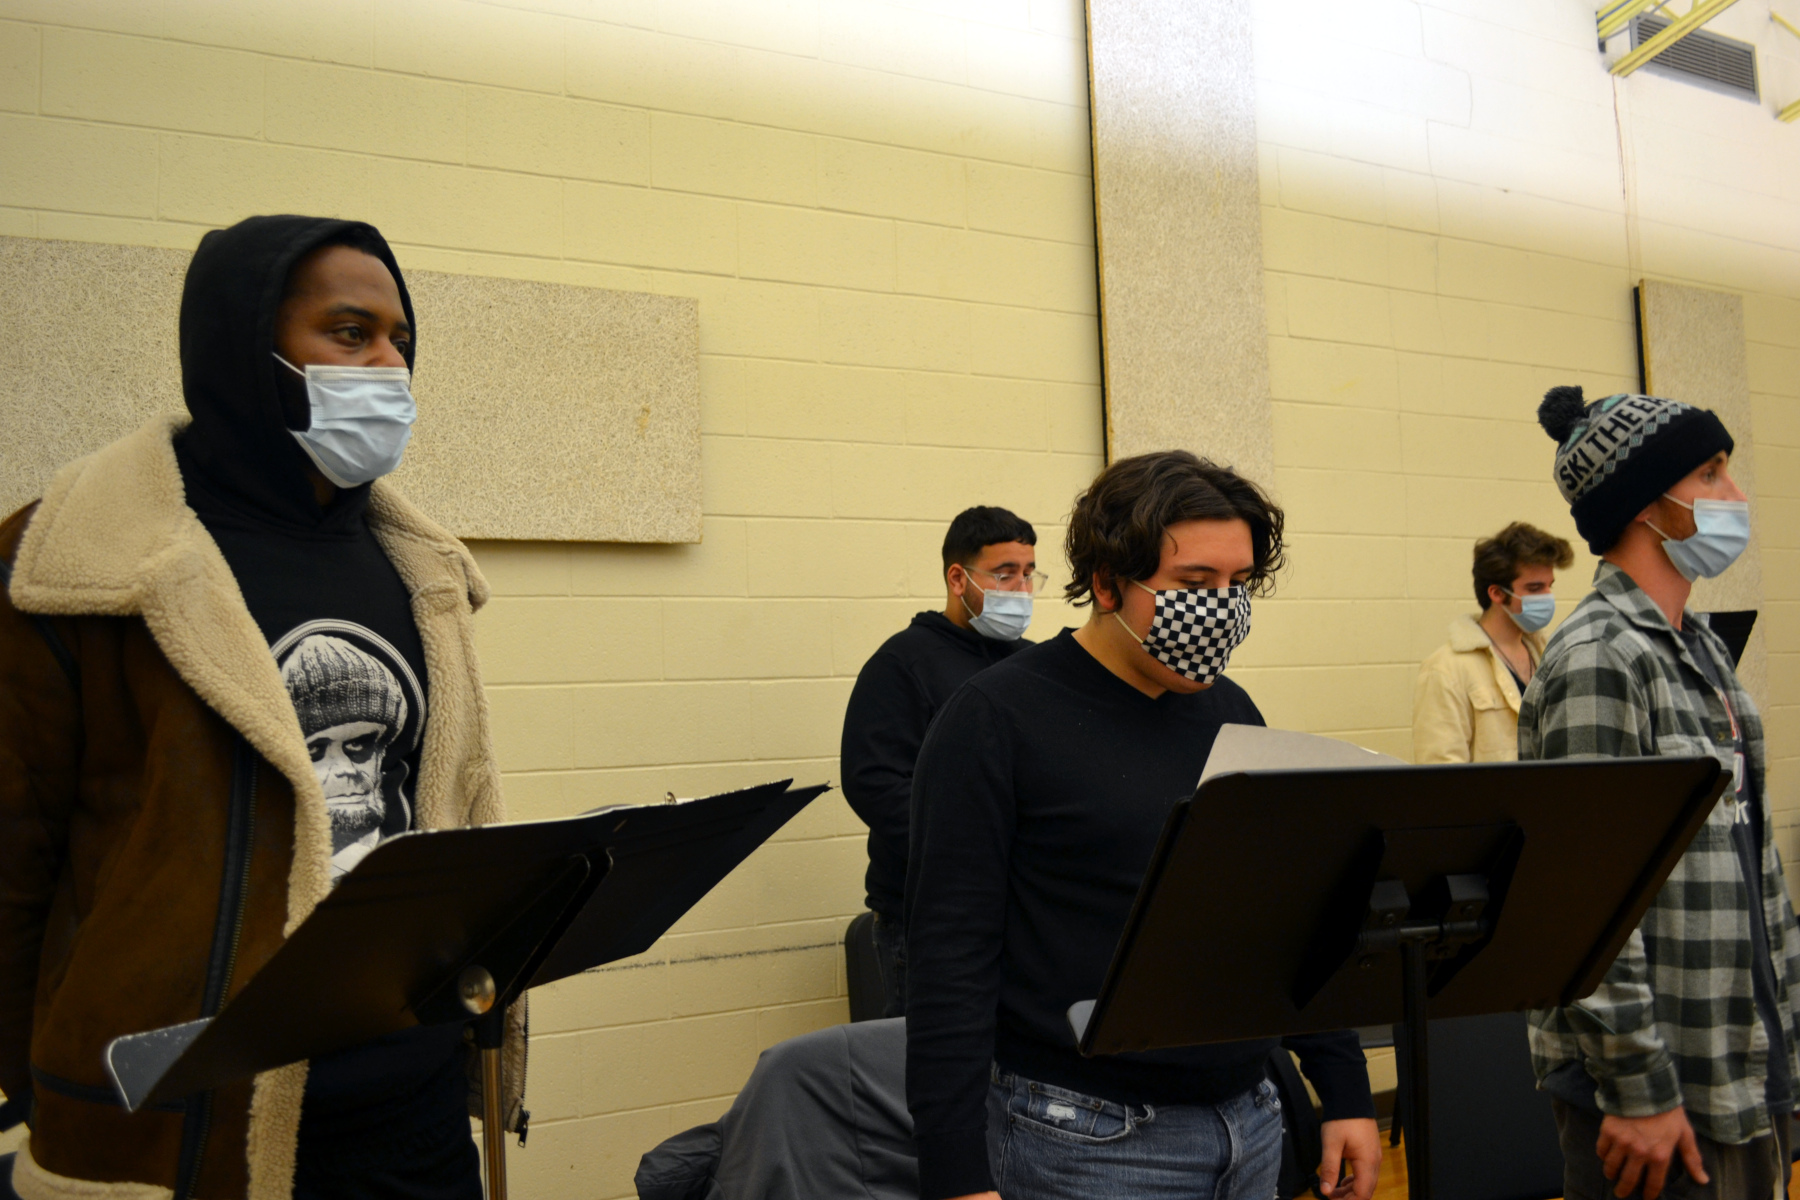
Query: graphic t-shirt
point(340, 625)
point(362, 711)
point(339, 621)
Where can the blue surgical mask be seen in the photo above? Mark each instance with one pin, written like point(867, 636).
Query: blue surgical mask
point(1004, 616)
point(1534, 613)
point(1721, 531)
point(362, 418)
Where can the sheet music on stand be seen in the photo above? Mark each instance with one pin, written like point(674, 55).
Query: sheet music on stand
point(1259, 748)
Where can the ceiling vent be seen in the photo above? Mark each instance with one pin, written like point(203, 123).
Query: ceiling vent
point(1720, 63)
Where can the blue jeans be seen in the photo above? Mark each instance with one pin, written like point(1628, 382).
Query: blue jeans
point(1048, 1143)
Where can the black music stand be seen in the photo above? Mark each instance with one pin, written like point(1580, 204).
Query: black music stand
point(1734, 629)
point(435, 928)
point(1282, 902)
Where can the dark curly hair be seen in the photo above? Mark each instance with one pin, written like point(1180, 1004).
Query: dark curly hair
point(1499, 558)
point(1117, 528)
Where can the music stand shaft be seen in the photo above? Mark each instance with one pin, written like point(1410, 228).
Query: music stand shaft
point(1417, 1031)
point(490, 1033)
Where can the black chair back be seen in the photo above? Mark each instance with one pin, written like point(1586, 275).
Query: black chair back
point(862, 970)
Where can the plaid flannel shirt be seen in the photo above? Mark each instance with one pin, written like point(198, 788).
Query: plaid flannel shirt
point(1674, 1021)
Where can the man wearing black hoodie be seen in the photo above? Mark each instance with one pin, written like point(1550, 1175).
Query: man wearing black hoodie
point(232, 661)
point(990, 574)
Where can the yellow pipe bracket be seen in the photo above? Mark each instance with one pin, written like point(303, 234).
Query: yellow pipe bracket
point(1618, 16)
point(1791, 113)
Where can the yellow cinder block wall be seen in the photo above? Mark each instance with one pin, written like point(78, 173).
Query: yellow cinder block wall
point(1457, 202)
point(885, 211)
point(1456, 206)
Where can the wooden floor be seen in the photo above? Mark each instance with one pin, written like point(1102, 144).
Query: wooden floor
point(1392, 1183)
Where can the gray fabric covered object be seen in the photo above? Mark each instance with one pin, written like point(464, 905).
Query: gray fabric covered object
point(823, 1117)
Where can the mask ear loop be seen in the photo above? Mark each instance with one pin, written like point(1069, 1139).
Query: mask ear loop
point(1128, 629)
point(306, 396)
point(1652, 524)
point(1119, 617)
point(961, 599)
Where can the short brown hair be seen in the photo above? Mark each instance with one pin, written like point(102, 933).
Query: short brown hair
point(1117, 528)
point(1498, 559)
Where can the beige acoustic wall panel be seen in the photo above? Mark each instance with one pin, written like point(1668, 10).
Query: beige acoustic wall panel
point(1694, 351)
point(546, 412)
point(88, 353)
point(1184, 330)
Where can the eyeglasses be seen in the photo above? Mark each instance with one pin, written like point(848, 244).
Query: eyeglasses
point(1014, 581)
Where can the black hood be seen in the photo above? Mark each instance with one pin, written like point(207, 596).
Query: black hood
point(238, 457)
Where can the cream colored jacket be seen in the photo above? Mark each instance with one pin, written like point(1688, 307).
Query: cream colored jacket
point(1466, 705)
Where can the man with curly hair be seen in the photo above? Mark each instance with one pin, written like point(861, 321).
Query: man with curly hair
point(1037, 800)
point(1466, 702)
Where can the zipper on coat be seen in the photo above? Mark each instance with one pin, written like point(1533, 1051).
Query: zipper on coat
point(524, 1123)
point(228, 931)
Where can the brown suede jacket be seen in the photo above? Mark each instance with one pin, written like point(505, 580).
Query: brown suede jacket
point(161, 826)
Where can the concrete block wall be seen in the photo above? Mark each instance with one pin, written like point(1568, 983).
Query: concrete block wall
point(885, 211)
point(1457, 201)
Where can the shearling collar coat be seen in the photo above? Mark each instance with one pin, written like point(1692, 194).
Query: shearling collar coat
point(162, 828)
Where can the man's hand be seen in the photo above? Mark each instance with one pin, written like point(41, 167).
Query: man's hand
point(1640, 1149)
point(1355, 1144)
point(978, 1196)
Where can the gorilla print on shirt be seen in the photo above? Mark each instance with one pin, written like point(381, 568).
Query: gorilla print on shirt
point(362, 713)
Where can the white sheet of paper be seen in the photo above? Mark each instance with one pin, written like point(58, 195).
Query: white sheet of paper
point(1256, 748)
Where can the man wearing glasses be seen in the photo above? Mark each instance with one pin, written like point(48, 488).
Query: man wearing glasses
point(990, 575)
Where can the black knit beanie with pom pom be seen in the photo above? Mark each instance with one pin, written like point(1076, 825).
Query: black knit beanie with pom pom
point(1616, 455)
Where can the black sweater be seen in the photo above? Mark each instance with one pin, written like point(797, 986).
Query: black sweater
point(898, 691)
point(1038, 798)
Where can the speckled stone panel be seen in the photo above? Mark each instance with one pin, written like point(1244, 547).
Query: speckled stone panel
point(88, 353)
point(555, 412)
point(1694, 351)
point(1180, 231)
point(546, 411)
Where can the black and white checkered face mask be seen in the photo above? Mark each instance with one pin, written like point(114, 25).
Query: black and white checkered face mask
point(1195, 630)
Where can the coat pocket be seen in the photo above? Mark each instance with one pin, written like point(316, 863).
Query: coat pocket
point(1486, 699)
